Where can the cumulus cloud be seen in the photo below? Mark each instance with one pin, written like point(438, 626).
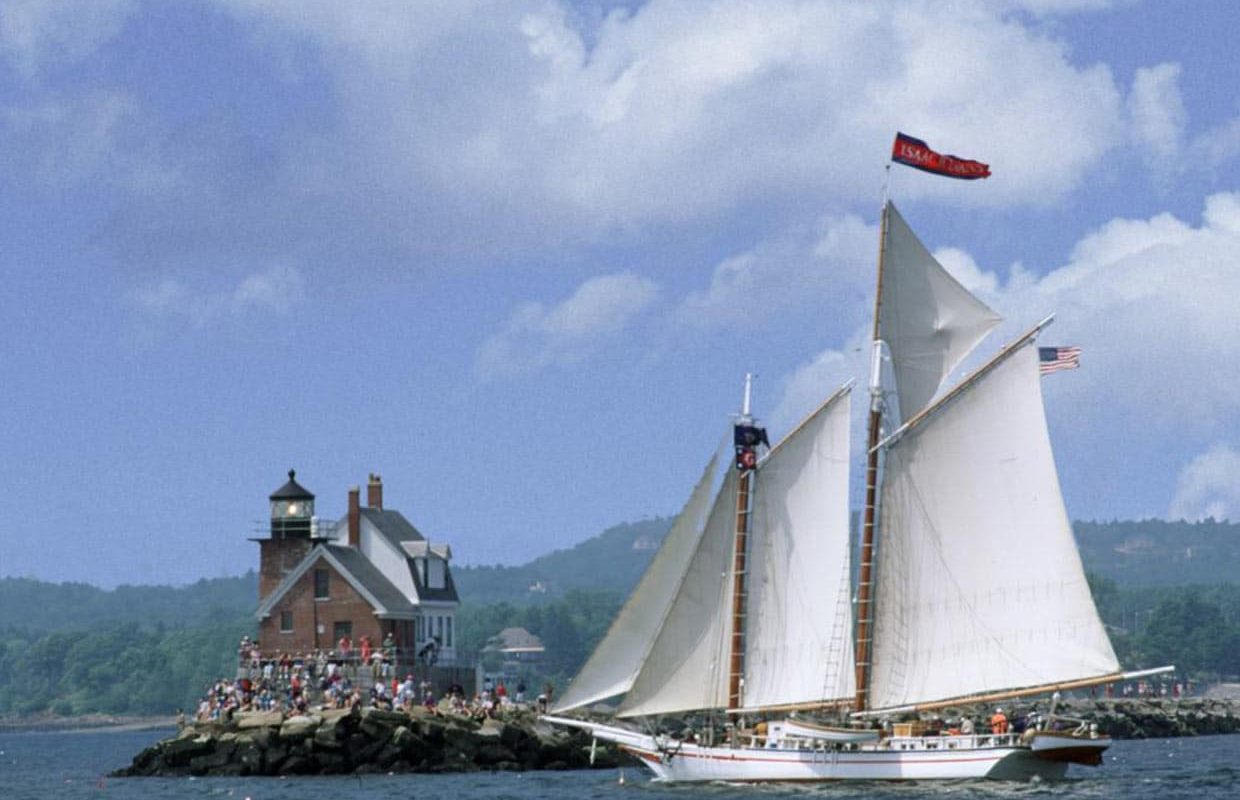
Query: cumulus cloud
point(277, 289)
point(1209, 486)
point(469, 129)
point(549, 124)
point(537, 336)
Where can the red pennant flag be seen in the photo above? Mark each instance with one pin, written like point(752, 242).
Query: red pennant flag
point(917, 154)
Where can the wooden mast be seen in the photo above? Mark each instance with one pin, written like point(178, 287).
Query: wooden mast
point(865, 578)
point(740, 552)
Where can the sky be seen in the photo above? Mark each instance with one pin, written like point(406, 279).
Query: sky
point(517, 257)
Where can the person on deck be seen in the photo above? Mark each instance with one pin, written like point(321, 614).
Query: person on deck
point(998, 722)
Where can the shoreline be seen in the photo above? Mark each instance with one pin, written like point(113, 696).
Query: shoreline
point(86, 723)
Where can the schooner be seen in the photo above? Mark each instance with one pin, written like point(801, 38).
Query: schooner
point(969, 585)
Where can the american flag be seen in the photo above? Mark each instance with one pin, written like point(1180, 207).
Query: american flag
point(1053, 359)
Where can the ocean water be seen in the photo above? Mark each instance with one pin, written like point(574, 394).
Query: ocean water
point(65, 766)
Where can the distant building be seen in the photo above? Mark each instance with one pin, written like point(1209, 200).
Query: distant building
point(519, 651)
point(645, 543)
point(369, 574)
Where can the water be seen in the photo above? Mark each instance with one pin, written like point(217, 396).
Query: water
point(65, 766)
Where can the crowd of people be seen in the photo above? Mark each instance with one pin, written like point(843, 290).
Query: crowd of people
point(346, 677)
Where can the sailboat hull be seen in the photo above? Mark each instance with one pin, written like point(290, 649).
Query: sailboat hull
point(901, 759)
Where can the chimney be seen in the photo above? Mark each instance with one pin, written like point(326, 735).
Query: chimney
point(355, 516)
point(374, 492)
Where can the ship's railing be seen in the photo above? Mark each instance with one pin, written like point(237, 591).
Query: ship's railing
point(899, 743)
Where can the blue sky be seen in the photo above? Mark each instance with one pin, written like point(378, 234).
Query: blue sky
point(517, 256)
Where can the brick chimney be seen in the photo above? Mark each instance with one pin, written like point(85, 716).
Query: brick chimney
point(374, 492)
point(355, 516)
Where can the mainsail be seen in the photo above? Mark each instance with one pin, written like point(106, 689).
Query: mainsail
point(799, 583)
point(928, 320)
point(615, 662)
point(982, 587)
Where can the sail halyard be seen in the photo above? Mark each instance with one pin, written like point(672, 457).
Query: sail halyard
point(992, 597)
point(614, 664)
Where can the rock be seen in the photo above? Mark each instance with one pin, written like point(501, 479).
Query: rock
point(296, 729)
point(178, 752)
point(247, 720)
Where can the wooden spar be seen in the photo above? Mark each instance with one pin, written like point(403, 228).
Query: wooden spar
point(1009, 694)
point(736, 668)
point(865, 578)
point(783, 708)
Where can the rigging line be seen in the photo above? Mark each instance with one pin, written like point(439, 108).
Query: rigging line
point(937, 542)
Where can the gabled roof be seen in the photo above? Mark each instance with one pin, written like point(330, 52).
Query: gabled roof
point(364, 577)
point(393, 526)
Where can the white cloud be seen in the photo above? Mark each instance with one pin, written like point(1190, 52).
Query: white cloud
point(1158, 117)
point(536, 336)
point(34, 33)
point(778, 277)
point(674, 112)
point(1209, 486)
point(277, 289)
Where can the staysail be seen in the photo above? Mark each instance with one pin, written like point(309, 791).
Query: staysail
point(615, 662)
point(798, 578)
point(928, 320)
point(684, 669)
point(982, 587)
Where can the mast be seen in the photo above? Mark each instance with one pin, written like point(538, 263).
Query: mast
point(865, 578)
point(746, 460)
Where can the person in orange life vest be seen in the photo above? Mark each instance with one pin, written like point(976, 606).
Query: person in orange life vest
point(998, 722)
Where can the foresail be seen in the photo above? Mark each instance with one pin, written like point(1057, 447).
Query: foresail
point(799, 616)
point(615, 662)
point(685, 669)
point(928, 320)
point(981, 585)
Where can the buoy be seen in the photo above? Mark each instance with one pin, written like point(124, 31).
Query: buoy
point(621, 781)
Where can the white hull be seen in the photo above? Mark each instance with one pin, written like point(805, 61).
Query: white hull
point(903, 759)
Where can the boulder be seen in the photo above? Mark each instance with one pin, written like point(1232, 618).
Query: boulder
point(248, 720)
point(296, 729)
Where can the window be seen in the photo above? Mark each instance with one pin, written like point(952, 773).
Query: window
point(322, 584)
point(286, 622)
point(448, 632)
point(341, 630)
point(439, 629)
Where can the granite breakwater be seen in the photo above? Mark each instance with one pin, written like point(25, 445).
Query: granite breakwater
point(336, 742)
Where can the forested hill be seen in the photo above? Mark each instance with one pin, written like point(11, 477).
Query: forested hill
point(1141, 553)
point(35, 605)
point(1155, 552)
point(610, 561)
point(1135, 553)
